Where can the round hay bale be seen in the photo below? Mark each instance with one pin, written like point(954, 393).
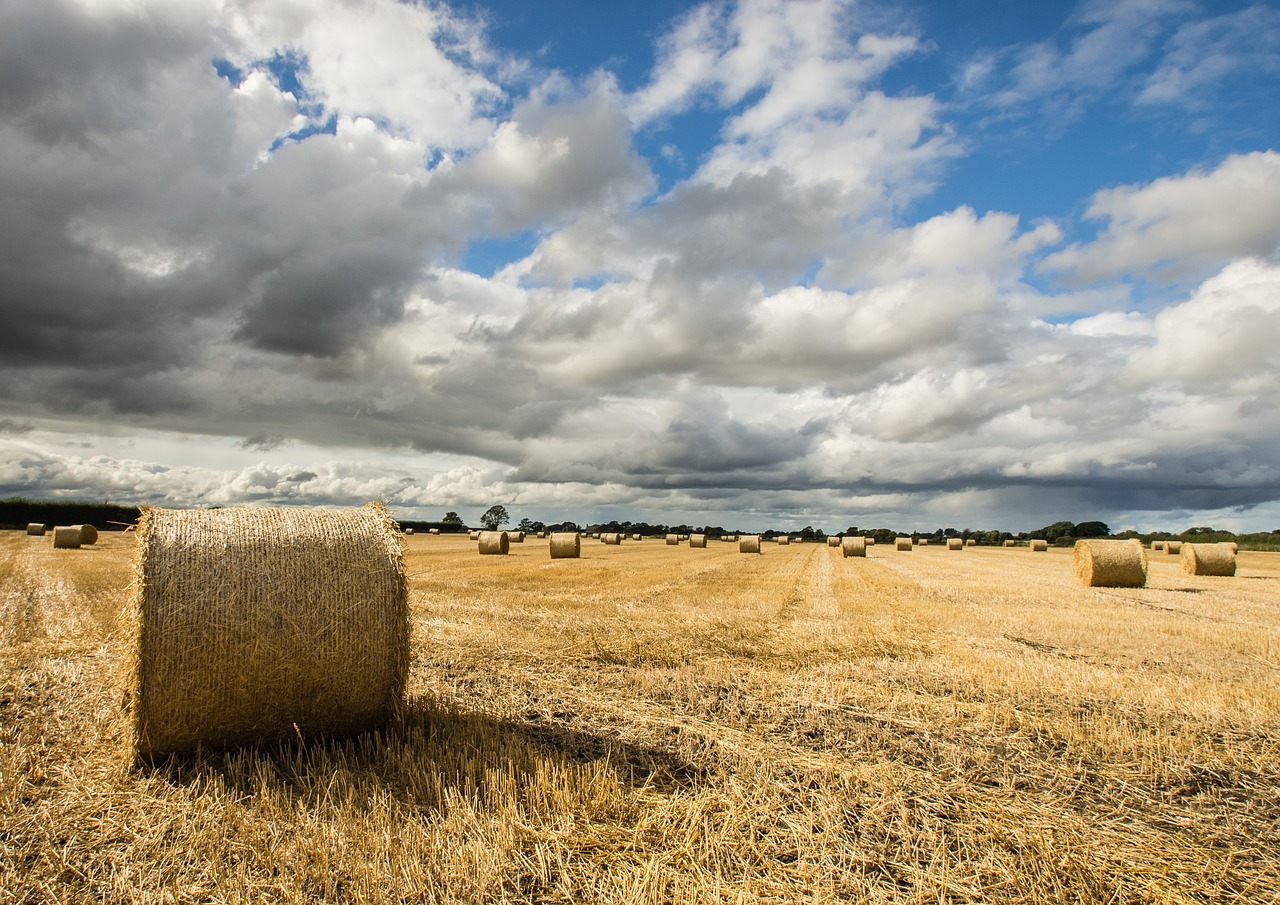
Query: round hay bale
point(1111, 563)
point(408, 531)
point(784, 540)
point(833, 541)
point(1038, 546)
point(88, 534)
point(35, 530)
point(871, 541)
point(673, 540)
point(566, 545)
point(902, 544)
point(253, 625)
point(924, 542)
point(473, 535)
point(955, 543)
point(495, 543)
point(1157, 545)
point(1173, 547)
point(853, 546)
point(1208, 559)
point(971, 542)
point(1011, 543)
point(66, 537)
point(516, 537)
point(697, 540)
point(433, 530)
point(541, 535)
point(635, 537)
point(612, 540)
point(749, 543)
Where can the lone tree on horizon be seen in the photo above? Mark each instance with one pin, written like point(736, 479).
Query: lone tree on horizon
point(493, 517)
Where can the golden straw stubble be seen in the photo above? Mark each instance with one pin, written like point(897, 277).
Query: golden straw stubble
point(252, 625)
point(1209, 559)
point(1110, 563)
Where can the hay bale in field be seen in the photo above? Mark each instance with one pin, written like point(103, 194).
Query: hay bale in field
point(566, 545)
point(749, 543)
point(252, 625)
point(871, 541)
point(1011, 543)
point(924, 542)
point(88, 534)
point(971, 542)
point(673, 540)
point(902, 544)
point(495, 543)
point(612, 540)
point(833, 541)
point(955, 543)
point(35, 530)
point(853, 546)
point(432, 530)
point(1157, 545)
point(1173, 547)
point(473, 535)
point(1208, 559)
point(1038, 546)
point(66, 537)
point(517, 537)
point(697, 540)
point(1111, 563)
point(636, 537)
point(408, 531)
point(784, 540)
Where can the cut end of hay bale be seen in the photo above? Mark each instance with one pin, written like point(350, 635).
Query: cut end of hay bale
point(252, 625)
point(494, 543)
point(902, 543)
point(853, 546)
point(749, 543)
point(1110, 563)
point(1209, 559)
point(566, 545)
point(88, 534)
point(1173, 547)
point(35, 530)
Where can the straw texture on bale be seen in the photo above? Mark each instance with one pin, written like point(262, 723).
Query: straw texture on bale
point(1039, 546)
point(66, 537)
point(566, 545)
point(833, 541)
point(516, 537)
point(955, 543)
point(749, 543)
point(697, 540)
point(784, 541)
point(672, 540)
point(88, 534)
point(902, 543)
point(1208, 559)
point(612, 540)
point(474, 535)
point(495, 543)
point(1111, 563)
point(35, 530)
point(1173, 547)
point(1235, 548)
point(854, 546)
point(1011, 543)
point(252, 625)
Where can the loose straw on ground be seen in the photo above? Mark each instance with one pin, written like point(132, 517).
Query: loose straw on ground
point(1111, 563)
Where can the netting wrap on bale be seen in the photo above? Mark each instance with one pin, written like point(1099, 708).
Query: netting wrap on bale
point(251, 625)
point(1209, 559)
point(565, 545)
point(854, 546)
point(1111, 563)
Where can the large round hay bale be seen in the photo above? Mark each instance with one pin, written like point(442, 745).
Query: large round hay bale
point(35, 530)
point(251, 625)
point(88, 534)
point(1173, 547)
point(749, 543)
point(1111, 563)
point(495, 543)
point(1157, 545)
point(1038, 546)
point(1011, 543)
point(871, 541)
point(784, 540)
point(854, 546)
point(566, 545)
point(431, 530)
point(902, 544)
point(473, 535)
point(673, 540)
point(1208, 559)
point(636, 537)
point(697, 540)
point(833, 541)
point(408, 531)
point(971, 542)
point(516, 537)
point(955, 543)
point(611, 539)
point(541, 535)
point(924, 541)
point(66, 537)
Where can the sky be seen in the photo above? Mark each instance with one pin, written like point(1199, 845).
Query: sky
point(934, 263)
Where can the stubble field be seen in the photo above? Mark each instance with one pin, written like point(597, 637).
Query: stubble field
point(663, 724)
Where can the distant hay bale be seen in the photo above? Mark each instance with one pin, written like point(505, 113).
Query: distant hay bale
point(971, 542)
point(924, 542)
point(673, 540)
point(408, 531)
point(1038, 546)
point(955, 543)
point(1157, 545)
point(430, 530)
point(1011, 543)
point(35, 530)
point(784, 540)
point(495, 543)
point(516, 537)
point(1173, 547)
point(253, 625)
point(833, 541)
point(1111, 563)
point(749, 543)
point(902, 544)
point(871, 541)
point(66, 537)
point(541, 535)
point(697, 540)
point(473, 535)
point(635, 537)
point(566, 545)
point(854, 546)
point(1208, 559)
point(611, 539)
point(88, 534)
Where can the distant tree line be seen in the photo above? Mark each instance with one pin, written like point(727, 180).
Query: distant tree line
point(18, 512)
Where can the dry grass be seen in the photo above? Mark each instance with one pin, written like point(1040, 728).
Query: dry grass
point(651, 724)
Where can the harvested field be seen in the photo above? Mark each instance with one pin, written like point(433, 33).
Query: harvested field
point(650, 723)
